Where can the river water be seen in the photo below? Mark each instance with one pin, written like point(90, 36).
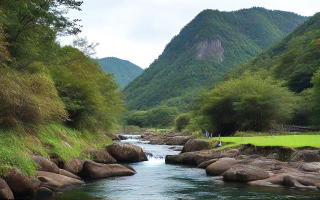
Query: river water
point(157, 180)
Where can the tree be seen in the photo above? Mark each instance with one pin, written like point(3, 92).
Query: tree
point(89, 49)
point(31, 27)
point(251, 102)
point(181, 121)
point(90, 96)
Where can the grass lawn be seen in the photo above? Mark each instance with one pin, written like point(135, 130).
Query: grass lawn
point(292, 141)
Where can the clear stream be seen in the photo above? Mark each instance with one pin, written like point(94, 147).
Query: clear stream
point(156, 180)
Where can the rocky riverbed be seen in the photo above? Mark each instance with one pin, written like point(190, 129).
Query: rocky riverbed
point(54, 175)
point(263, 166)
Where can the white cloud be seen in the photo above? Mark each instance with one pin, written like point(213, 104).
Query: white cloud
point(138, 30)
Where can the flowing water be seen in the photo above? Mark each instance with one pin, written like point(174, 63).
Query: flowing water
point(157, 180)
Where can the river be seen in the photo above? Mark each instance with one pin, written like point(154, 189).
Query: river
point(157, 180)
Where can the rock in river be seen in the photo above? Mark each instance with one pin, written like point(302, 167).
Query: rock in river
point(196, 145)
point(20, 184)
point(245, 173)
point(219, 167)
point(93, 170)
point(126, 153)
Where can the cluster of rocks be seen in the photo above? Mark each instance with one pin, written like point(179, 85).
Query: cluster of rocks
point(300, 170)
point(166, 139)
point(53, 174)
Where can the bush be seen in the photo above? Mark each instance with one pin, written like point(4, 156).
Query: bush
point(248, 103)
point(30, 99)
point(181, 121)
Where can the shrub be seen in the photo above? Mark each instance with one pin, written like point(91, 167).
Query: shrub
point(248, 103)
point(181, 121)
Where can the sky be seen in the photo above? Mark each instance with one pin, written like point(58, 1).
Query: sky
point(138, 30)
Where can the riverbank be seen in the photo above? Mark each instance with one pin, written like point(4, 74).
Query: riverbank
point(256, 165)
point(55, 157)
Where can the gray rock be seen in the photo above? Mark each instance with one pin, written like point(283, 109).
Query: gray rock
point(245, 173)
point(196, 145)
point(219, 167)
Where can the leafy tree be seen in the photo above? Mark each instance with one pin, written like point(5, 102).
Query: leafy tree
point(181, 121)
point(89, 49)
point(161, 116)
point(31, 27)
point(89, 94)
point(248, 103)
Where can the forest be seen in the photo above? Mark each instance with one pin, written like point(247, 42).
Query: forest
point(50, 95)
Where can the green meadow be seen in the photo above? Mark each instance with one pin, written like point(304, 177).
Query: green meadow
point(291, 141)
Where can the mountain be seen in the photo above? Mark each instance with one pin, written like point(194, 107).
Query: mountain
point(212, 43)
point(295, 59)
point(123, 70)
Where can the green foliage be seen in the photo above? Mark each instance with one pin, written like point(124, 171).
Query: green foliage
point(14, 152)
point(42, 83)
point(181, 121)
point(31, 27)
point(248, 103)
point(122, 70)
point(158, 117)
point(4, 54)
point(28, 99)
point(132, 129)
point(194, 59)
point(295, 59)
point(312, 99)
point(89, 94)
point(18, 146)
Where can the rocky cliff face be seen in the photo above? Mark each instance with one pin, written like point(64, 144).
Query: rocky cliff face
point(210, 48)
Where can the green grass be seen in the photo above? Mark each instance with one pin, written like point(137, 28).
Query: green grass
point(290, 141)
point(17, 146)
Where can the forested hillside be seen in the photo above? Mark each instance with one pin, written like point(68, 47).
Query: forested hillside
point(204, 50)
point(54, 101)
point(124, 71)
point(279, 86)
point(295, 59)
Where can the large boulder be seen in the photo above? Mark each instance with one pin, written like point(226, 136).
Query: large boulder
point(310, 167)
point(101, 156)
point(205, 164)
point(56, 181)
point(5, 191)
point(20, 184)
point(196, 145)
point(178, 140)
point(93, 170)
point(307, 156)
point(221, 166)
point(74, 166)
point(46, 164)
point(245, 173)
point(126, 153)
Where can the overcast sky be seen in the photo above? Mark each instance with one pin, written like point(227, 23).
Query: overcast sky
point(138, 30)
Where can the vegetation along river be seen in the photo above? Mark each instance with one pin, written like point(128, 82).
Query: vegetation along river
point(157, 180)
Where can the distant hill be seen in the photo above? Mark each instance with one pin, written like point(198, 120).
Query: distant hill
point(212, 43)
point(294, 59)
point(123, 70)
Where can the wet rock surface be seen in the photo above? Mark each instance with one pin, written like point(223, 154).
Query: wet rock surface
point(126, 152)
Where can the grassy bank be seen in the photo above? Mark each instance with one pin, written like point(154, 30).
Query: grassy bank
point(290, 141)
point(17, 146)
